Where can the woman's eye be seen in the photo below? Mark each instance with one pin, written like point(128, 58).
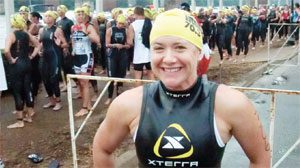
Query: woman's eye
point(180, 48)
point(157, 48)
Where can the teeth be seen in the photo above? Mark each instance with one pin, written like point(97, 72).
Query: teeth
point(172, 69)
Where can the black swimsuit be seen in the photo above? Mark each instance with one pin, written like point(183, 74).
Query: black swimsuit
point(176, 129)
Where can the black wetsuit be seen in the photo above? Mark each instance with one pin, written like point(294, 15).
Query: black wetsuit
point(244, 29)
point(255, 31)
point(212, 40)
point(229, 30)
point(205, 27)
point(117, 59)
point(263, 28)
point(176, 129)
point(102, 30)
point(220, 37)
point(20, 72)
point(36, 77)
point(51, 62)
point(67, 62)
point(272, 18)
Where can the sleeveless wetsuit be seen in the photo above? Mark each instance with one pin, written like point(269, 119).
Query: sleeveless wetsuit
point(102, 30)
point(117, 59)
point(229, 30)
point(244, 29)
point(67, 62)
point(220, 37)
point(176, 129)
point(20, 72)
point(83, 60)
point(51, 61)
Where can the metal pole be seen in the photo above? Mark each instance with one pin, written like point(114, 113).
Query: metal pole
point(298, 44)
point(256, 3)
point(241, 3)
point(221, 4)
point(272, 118)
point(99, 5)
point(9, 10)
point(269, 57)
point(71, 118)
point(193, 5)
point(286, 154)
point(156, 5)
point(92, 110)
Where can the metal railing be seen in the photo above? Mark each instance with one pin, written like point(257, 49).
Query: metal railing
point(74, 135)
point(293, 28)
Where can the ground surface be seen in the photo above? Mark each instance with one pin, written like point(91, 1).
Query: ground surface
point(49, 134)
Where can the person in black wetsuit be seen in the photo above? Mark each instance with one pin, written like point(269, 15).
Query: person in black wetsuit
point(255, 28)
point(17, 53)
point(180, 121)
point(66, 24)
point(220, 22)
point(53, 42)
point(229, 31)
point(263, 25)
point(244, 29)
point(36, 77)
point(117, 56)
point(102, 21)
point(32, 27)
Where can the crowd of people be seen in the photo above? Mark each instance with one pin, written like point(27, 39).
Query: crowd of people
point(173, 46)
point(46, 53)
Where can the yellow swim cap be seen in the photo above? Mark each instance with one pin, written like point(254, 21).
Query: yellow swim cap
point(86, 10)
point(100, 15)
point(62, 8)
point(17, 21)
point(253, 11)
point(86, 5)
point(78, 10)
point(24, 9)
point(52, 14)
point(121, 19)
point(130, 12)
point(245, 8)
point(177, 23)
point(148, 13)
point(115, 12)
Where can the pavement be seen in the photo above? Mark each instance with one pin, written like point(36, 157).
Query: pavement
point(277, 62)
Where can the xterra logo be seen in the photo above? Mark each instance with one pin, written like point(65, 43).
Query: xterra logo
point(173, 143)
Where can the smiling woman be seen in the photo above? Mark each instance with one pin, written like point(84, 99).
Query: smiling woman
point(180, 121)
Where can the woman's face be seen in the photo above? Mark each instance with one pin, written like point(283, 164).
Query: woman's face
point(174, 61)
point(48, 19)
point(121, 25)
point(80, 17)
point(24, 14)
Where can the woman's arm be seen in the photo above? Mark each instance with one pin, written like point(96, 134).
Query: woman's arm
point(59, 34)
point(244, 124)
point(36, 44)
point(10, 39)
point(94, 37)
point(114, 128)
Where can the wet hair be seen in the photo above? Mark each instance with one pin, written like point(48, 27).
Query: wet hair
point(297, 5)
point(36, 14)
point(139, 11)
point(185, 6)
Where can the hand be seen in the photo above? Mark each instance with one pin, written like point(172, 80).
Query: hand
point(13, 60)
point(99, 45)
point(118, 46)
point(66, 52)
